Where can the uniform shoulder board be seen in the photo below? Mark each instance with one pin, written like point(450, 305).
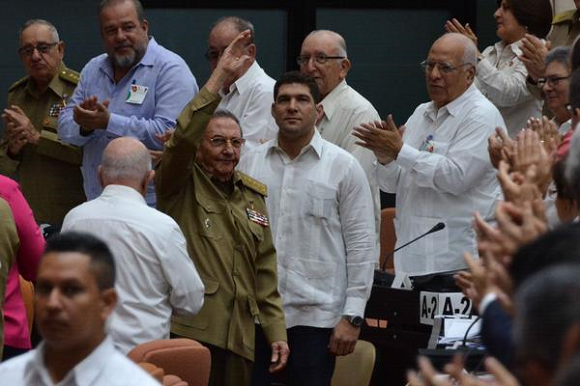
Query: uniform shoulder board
point(563, 17)
point(69, 75)
point(254, 184)
point(18, 83)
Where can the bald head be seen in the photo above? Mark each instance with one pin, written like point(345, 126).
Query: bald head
point(329, 44)
point(450, 68)
point(335, 40)
point(126, 161)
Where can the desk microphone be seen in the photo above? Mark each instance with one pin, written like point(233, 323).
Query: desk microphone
point(436, 228)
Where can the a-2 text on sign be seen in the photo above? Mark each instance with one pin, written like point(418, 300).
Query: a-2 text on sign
point(434, 304)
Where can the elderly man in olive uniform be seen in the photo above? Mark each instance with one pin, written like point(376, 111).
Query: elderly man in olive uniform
point(48, 170)
point(222, 214)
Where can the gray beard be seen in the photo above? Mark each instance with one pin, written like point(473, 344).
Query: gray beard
point(125, 61)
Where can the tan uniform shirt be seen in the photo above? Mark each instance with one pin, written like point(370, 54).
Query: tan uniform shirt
point(565, 28)
point(9, 244)
point(234, 255)
point(48, 172)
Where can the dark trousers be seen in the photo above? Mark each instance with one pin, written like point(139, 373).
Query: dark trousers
point(310, 362)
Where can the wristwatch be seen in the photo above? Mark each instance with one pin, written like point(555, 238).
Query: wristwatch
point(355, 320)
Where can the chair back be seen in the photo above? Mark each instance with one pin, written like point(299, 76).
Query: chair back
point(27, 292)
point(185, 358)
point(388, 237)
point(356, 368)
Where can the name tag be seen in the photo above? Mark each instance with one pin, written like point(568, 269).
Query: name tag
point(136, 94)
point(434, 304)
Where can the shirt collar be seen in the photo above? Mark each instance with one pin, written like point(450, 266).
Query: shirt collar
point(331, 101)
point(123, 191)
point(84, 373)
point(316, 144)
point(55, 84)
point(514, 47)
point(244, 82)
point(455, 106)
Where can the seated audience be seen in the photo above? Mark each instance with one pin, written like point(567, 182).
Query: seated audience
point(501, 75)
point(25, 263)
point(75, 295)
point(155, 275)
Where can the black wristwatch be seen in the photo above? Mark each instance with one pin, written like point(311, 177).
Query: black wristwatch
point(355, 320)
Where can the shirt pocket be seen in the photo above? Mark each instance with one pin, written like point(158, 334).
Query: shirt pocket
point(321, 200)
point(306, 283)
point(440, 147)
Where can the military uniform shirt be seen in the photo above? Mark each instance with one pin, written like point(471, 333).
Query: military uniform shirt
point(48, 172)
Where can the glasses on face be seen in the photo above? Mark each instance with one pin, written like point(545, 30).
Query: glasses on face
point(444, 68)
point(42, 48)
point(551, 80)
point(212, 55)
point(222, 142)
point(303, 60)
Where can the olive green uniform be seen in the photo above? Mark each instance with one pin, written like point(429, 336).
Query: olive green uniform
point(9, 244)
point(234, 255)
point(565, 28)
point(48, 172)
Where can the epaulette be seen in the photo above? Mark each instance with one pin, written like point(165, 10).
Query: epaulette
point(254, 184)
point(69, 75)
point(18, 83)
point(567, 16)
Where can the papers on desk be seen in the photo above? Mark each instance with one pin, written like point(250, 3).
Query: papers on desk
point(454, 329)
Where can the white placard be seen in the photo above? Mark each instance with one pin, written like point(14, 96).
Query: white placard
point(434, 304)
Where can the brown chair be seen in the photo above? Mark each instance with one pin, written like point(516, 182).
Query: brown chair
point(356, 368)
point(159, 375)
point(185, 358)
point(388, 238)
point(27, 292)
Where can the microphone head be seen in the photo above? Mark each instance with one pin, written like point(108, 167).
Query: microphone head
point(439, 226)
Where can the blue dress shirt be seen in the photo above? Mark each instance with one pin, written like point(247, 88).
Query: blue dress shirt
point(171, 85)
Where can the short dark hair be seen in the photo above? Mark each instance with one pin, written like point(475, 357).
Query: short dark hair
point(223, 113)
point(102, 261)
point(546, 307)
point(300, 78)
point(558, 246)
point(239, 24)
point(535, 15)
point(136, 3)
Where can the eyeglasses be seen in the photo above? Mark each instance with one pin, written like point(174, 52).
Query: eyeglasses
point(303, 60)
point(221, 142)
point(42, 48)
point(551, 80)
point(213, 55)
point(444, 68)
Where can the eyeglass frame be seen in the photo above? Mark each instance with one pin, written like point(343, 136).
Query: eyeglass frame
point(42, 48)
point(225, 140)
point(302, 60)
point(448, 69)
point(551, 80)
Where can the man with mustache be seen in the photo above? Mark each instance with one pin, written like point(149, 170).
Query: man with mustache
point(137, 89)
